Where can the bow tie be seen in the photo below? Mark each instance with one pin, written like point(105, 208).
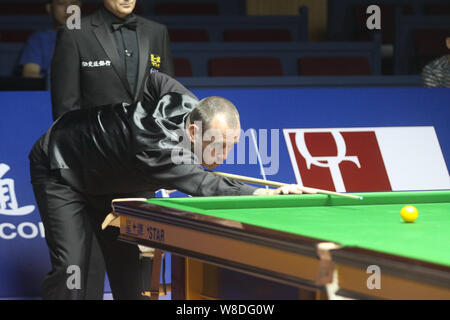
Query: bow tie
point(130, 24)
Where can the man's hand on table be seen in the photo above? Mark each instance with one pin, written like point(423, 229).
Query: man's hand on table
point(287, 189)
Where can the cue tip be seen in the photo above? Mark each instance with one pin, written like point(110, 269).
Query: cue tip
point(360, 198)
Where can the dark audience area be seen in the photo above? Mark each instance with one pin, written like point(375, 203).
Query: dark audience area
point(235, 44)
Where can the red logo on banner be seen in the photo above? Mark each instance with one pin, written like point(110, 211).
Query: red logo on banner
point(339, 160)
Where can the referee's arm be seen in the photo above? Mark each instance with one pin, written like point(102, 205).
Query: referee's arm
point(167, 62)
point(65, 75)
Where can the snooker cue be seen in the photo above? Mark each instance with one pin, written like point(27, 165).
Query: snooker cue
point(280, 184)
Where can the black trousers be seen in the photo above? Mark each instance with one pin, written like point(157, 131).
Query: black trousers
point(77, 245)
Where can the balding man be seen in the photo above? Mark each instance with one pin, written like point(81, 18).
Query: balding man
point(91, 156)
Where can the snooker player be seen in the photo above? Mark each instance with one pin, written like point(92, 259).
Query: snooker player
point(89, 157)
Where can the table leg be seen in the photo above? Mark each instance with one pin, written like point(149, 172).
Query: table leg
point(153, 262)
point(178, 270)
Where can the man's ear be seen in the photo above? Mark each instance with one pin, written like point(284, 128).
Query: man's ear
point(447, 40)
point(192, 130)
point(48, 8)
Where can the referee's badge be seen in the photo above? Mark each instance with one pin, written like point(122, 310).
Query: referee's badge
point(155, 60)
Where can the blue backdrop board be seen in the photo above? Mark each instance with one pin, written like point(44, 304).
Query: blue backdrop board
point(24, 116)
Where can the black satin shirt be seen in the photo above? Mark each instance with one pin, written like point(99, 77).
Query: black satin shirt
point(130, 148)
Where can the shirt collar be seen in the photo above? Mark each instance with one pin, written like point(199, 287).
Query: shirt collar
point(110, 18)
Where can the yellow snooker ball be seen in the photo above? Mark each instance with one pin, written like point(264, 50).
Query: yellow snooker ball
point(409, 213)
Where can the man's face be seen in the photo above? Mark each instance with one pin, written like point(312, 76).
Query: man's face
point(447, 41)
point(216, 142)
point(120, 8)
point(58, 9)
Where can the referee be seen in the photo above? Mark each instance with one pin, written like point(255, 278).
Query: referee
point(108, 59)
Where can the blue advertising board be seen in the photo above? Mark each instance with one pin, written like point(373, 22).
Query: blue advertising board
point(24, 116)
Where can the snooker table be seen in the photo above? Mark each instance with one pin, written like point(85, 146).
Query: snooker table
point(321, 245)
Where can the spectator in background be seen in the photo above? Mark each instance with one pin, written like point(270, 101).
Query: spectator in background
point(37, 54)
point(436, 74)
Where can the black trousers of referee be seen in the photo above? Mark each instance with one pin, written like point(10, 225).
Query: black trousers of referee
point(72, 223)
